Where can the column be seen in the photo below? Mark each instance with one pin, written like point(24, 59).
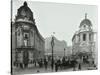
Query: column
point(87, 37)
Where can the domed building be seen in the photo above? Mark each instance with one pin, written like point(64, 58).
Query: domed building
point(25, 14)
point(83, 43)
point(27, 42)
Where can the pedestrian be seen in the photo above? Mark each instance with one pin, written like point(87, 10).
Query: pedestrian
point(63, 62)
point(79, 67)
point(45, 63)
point(41, 63)
point(38, 71)
point(56, 66)
point(35, 62)
point(74, 65)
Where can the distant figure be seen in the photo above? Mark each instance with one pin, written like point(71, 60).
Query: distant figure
point(63, 62)
point(59, 64)
point(35, 63)
point(79, 67)
point(40, 62)
point(56, 67)
point(45, 63)
point(38, 71)
point(74, 64)
point(52, 63)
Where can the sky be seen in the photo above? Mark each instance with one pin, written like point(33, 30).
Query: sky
point(62, 18)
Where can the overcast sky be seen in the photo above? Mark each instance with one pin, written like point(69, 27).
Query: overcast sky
point(63, 19)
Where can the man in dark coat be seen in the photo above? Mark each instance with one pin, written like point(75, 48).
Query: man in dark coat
point(56, 66)
point(45, 63)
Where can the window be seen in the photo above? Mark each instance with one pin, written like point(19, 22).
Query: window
point(79, 38)
point(90, 37)
point(26, 36)
point(84, 26)
point(84, 37)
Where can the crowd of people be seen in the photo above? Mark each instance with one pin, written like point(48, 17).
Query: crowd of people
point(58, 63)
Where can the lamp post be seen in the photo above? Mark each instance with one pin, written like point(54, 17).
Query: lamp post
point(52, 46)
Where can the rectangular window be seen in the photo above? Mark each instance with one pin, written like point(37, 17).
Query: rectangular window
point(84, 37)
point(90, 37)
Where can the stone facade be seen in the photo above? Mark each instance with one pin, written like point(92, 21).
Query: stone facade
point(27, 43)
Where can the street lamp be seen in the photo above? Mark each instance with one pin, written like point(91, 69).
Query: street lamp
point(52, 45)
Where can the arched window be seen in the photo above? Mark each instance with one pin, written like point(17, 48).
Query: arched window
point(84, 37)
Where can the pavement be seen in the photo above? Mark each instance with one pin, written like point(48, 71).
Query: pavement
point(38, 70)
point(33, 70)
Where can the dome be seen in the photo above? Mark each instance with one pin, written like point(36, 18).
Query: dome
point(24, 12)
point(86, 21)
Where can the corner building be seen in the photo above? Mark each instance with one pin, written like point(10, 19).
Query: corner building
point(27, 42)
point(84, 41)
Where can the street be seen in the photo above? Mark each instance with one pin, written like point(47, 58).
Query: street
point(33, 70)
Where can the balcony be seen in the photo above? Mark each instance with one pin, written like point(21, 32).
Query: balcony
point(25, 48)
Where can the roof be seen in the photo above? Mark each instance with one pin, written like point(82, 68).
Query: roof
point(85, 21)
point(25, 12)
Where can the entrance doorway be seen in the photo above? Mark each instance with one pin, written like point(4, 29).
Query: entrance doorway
point(25, 58)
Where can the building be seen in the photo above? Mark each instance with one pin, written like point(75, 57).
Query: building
point(84, 41)
point(27, 43)
point(60, 47)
